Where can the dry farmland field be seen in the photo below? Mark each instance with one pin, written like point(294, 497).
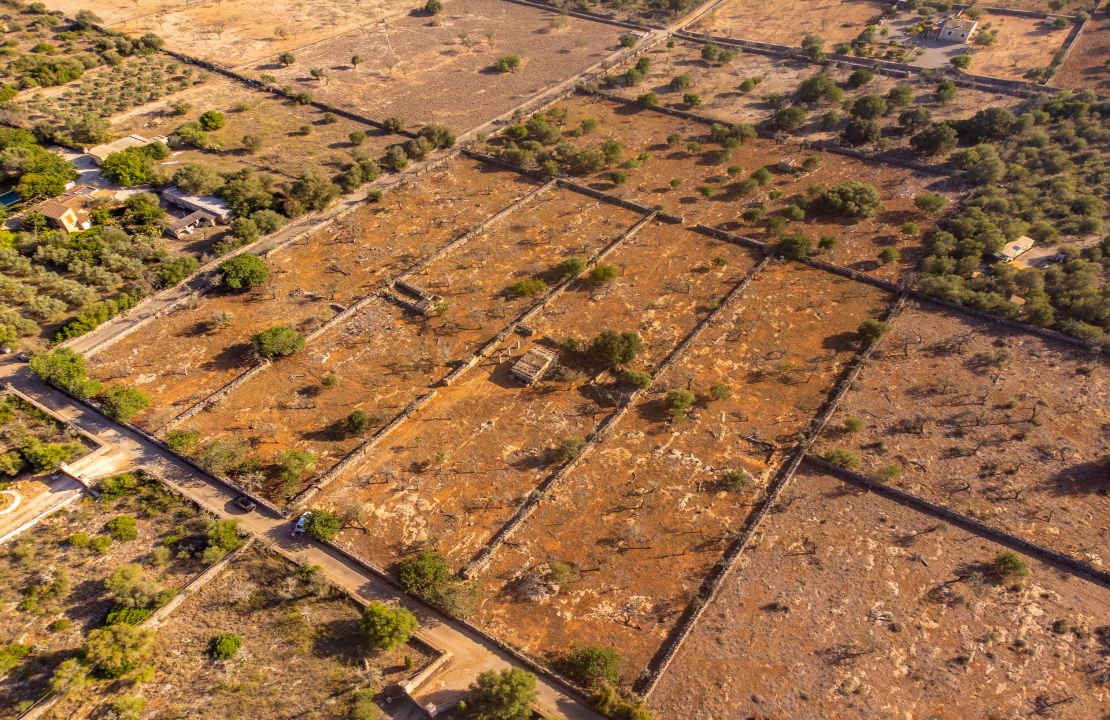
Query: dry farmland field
point(338, 265)
point(687, 177)
point(650, 510)
point(1086, 65)
point(786, 23)
point(1022, 44)
point(53, 576)
point(298, 634)
point(722, 98)
point(487, 425)
point(1000, 425)
point(472, 282)
point(441, 70)
point(849, 605)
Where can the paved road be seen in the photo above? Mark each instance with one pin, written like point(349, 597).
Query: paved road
point(470, 654)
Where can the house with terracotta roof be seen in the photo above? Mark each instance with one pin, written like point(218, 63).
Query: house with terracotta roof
point(70, 210)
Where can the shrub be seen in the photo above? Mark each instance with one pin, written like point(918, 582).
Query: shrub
point(116, 486)
point(795, 246)
point(613, 348)
point(854, 424)
point(507, 63)
point(603, 273)
point(860, 77)
point(183, 442)
point(505, 695)
point(224, 646)
point(122, 528)
point(861, 132)
point(322, 525)
point(930, 202)
point(636, 378)
point(433, 7)
point(424, 574)
point(888, 255)
point(211, 120)
point(569, 449)
point(850, 198)
point(243, 272)
point(592, 666)
point(11, 655)
point(223, 537)
point(117, 649)
point(1008, 566)
point(628, 40)
point(295, 465)
point(961, 61)
point(936, 139)
point(790, 118)
point(123, 403)
point(359, 422)
point(527, 287)
point(278, 341)
point(841, 457)
point(720, 391)
point(678, 401)
point(682, 82)
point(648, 99)
point(78, 540)
point(387, 628)
point(571, 267)
point(737, 479)
point(871, 330)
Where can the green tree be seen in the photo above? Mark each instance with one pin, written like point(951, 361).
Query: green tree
point(121, 403)
point(936, 139)
point(592, 666)
point(424, 574)
point(387, 628)
point(294, 466)
point(243, 272)
point(131, 588)
point(433, 7)
point(795, 246)
point(277, 341)
point(507, 63)
point(850, 198)
point(223, 537)
point(790, 118)
point(211, 120)
point(1008, 566)
point(505, 695)
point(359, 422)
point(117, 649)
point(286, 59)
point(224, 646)
point(123, 528)
point(613, 348)
point(678, 401)
point(65, 369)
point(872, 329)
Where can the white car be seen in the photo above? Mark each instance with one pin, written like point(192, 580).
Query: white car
point(299, 527)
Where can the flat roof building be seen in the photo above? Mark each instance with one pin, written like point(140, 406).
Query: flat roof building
point(208, 203)
point(100, 152)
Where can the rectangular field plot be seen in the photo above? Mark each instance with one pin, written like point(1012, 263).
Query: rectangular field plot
point(649, 511)
point(178, 360)
point(383, 358)
point(454, 473)
point(1086, 65)
point(441, 70)
point(53, 576)
point(669, 279)
point(852, 606)
point(688, 178)
point(786, 22)
point(296, 632)
point(996, 424)
point(1022, 44)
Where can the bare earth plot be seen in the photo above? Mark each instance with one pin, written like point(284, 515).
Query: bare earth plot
point(298, 635)
point(1003, 426)
point(287, 149)
point(1022, 44)
point(1086, 65)
point(852, 606)
point(52, 594)
point(788, 21)
point(472, 281)
point(454, 473)
point(233, 32)
point(650, 510)
point(858, 241)
point(177, 361)
point(440, 69)
point(718, 87)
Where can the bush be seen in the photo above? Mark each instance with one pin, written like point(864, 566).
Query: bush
point(679, 401)
point(790, 118)
point(433, 7)
point(507, 63)
point(888, 255)
point(936, 139)
point(872, 330)
point(850, 198)
point(571, 267)
point(860, 132)
point(961, 61)
point(359, 422)
point(860, 77)
point(117, 649)
point(323, 525)
point(841, 457)
point(648, 100)
point(122, 528)
point(720, 391)
point(930, 202)
point(505, 695)
point(123, 403)
point(569, 449)
point(613, 348)
point(183, 442)
point(424, 574)
point(223, 537)
point(211, 120)
point(636, 379)
point(527, 287)
point(854, 424)
point(11, 655)
point(78, 540)
point(295, 465)
point(682, 82)
point(795, 246)
point(243, 272)
point(1008, 566)
point(387, 628)
point(278, 341)
point(603, 273)
point(628, 40)
point(224, 647)
point(591, 666)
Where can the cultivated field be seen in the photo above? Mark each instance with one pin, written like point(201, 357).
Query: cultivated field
point(231, 32)
point(1022, 44)
point(650, 510)
point(853, 606)
point(1086, 65)
point(294, 138)
point(789, 21)
point(439, 69)
point(335, 266)
point(52, 590)
point(473, 283)
point(297, 632)
point(722, 98)
point(491, 426)
point(688, 178)
point(996, 424)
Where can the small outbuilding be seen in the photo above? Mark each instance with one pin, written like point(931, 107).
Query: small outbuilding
point(1013, 250)
point(533, 365)
point(210, 204)
point(954, 30)
point(191, 223)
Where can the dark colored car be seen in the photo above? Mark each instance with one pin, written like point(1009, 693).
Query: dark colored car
point(244, 503)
